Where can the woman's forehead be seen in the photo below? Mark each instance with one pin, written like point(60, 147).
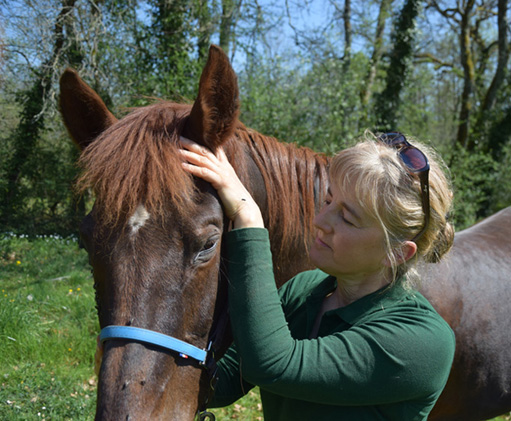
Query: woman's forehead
point(346, 197)
point(358, 199)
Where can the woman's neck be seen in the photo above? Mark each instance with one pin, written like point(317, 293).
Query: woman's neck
point(349, 291)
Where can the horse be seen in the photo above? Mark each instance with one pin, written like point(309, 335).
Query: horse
point(471, 289)
point(154, 240)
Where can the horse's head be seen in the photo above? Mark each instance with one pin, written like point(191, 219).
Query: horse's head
point(153, 239)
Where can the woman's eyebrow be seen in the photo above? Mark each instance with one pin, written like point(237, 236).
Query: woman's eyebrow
point(349, 208)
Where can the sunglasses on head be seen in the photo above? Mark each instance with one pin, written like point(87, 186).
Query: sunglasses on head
point(416, 163)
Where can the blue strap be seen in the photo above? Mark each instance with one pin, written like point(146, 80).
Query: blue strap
point(154, 338)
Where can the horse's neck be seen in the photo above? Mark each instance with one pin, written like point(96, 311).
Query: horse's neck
point(289, 184)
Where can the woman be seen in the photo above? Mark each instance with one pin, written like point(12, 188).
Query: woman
point(351, 340)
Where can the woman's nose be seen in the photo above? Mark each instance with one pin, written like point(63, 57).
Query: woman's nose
point(321, 220)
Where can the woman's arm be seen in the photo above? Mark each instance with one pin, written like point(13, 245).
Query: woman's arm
point(230, 386)
point(399, 354)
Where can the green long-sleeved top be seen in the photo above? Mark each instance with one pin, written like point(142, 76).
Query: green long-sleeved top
point(386, 356)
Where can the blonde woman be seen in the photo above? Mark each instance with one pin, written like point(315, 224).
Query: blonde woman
point(351, 340)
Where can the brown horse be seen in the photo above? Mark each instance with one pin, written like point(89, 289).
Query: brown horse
point(154, 241)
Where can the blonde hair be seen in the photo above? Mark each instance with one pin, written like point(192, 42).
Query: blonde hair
point(390, 194)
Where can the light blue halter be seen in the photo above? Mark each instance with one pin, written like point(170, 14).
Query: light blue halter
point(184, 349)
point(138, 334)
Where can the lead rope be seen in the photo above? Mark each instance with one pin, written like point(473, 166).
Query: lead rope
point(212, 368)
point(211, 365)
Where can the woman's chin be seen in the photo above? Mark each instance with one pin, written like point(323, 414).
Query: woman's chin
point(315, 257)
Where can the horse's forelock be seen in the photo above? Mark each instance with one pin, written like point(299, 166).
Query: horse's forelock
point(136, 162)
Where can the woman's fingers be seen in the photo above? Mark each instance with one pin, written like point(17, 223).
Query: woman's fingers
point(202, 167)
point(196, 148)
point(201, 162)
point(216, 169)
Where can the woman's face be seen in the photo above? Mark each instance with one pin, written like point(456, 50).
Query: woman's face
point(349, 243)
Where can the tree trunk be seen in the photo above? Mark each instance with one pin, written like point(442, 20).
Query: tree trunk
point(205, 29)
point(483, 123)
point(388, 102)
point(171, 38)
point(347, 34)
point(383, 14)
point(467, 63)
point(226, 24)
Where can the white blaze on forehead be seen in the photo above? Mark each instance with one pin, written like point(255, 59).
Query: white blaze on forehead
point(138, 219)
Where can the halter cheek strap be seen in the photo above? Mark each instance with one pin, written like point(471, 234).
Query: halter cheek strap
point(138, 334)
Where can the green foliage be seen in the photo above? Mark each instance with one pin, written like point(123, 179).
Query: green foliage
point(500, 196)
point(428, 109)
point(44, 201)
point(271, 101)
point(315, 105)
point(499, 133)
point(474, 175)
point(155, 51)
point(131, 52)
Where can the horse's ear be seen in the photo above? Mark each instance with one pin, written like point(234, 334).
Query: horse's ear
point(85, 114)
point(215, 111)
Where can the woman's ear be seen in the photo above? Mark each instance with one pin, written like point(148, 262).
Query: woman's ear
point(402, 253)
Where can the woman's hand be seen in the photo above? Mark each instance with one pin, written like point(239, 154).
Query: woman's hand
point(239, 206)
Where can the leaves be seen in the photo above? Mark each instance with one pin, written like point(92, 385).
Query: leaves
point(315, 72)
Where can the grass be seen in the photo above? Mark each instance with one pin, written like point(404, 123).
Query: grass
point(48, 328)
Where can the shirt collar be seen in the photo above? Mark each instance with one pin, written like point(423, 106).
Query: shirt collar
point(379, 300)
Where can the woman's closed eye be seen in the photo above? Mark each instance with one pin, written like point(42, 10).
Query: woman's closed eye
point(346, 219)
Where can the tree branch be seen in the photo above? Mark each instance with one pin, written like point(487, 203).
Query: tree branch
point(430, 58)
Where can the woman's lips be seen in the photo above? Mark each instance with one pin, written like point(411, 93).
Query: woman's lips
point(321, 243)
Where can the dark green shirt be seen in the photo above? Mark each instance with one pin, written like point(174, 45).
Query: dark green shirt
point(386, 356)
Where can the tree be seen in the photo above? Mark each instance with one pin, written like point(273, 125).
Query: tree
point(227, 22)
point(33, 101)
point(495, 136)
point(469, 19)
point(377, 52)
point(205, 29)
point(403, 37)
point(315, 72)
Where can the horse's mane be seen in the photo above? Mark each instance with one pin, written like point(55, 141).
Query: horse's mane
point(136, 161)
point(295, 180)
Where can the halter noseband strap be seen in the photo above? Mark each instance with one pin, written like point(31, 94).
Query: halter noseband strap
point(205, 357)
point(138, 334)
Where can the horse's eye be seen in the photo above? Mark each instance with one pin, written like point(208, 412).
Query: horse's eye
point(207, 250)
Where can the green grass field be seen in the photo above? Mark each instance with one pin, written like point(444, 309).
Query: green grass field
point(48, 329)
